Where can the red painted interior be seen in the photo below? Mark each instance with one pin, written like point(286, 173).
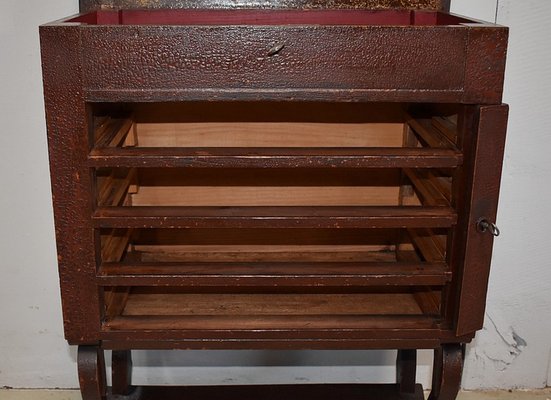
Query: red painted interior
point(267, 17)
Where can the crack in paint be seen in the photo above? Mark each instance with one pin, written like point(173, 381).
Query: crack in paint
point(516, 342)
point(498, 345)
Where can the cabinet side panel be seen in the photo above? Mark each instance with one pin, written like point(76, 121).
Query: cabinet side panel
point(71, 181)
point(483, 146)
point(87, 5)
point(485, 65)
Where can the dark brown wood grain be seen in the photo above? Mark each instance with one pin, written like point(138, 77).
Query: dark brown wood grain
point(311, 157)
point(273, 274)
point(267, 326)
point(274, 344)
point(410, 332)
point(447, 371)
point(406, 367)
point(121, 372)
point(273, 217)
point(91, 372)
point(483, 144)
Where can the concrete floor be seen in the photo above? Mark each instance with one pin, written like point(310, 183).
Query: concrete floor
point(14, 394)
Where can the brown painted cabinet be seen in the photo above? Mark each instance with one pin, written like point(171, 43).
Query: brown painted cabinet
point(273, 176)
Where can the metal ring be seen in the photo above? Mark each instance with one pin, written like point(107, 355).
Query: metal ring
point(494, 229)
point(484, 225)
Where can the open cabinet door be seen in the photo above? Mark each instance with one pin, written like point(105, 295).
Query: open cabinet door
point(482, 130)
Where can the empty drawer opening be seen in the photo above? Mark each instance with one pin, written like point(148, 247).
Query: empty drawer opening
point(269, 135)
point(282, 187)
point(272, 245)
point(273, 259)
point(140, 308)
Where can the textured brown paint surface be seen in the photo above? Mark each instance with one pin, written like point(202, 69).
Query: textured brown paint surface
point(71, 183)
point(146, 58)
point(485, 65)
point(87, 5)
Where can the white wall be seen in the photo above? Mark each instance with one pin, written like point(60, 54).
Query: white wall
point(32, 352)
point(512, 351)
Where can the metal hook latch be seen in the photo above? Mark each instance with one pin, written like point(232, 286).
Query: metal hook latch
point(484, 225)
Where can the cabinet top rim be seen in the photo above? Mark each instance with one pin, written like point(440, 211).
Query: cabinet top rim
point(91, 5)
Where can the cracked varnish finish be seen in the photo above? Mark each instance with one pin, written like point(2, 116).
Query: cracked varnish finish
point(193, 61)
point(87, 5)
point(485, 64)
point(71, 183)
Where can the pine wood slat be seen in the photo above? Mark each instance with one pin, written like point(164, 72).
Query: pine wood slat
point(113, 132)
point(447, 127)
point(274, 217)
point(247, 253)
point(427, 187)
point(153, 301)
point(431, 135)
point(273, 274)
point(115, 188)
point(427, 244)
point(275, 157)
point(284, 323)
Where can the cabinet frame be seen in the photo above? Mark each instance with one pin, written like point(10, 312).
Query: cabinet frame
point(78, 58)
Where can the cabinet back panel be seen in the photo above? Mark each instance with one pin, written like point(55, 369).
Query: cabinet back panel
point(268, 134)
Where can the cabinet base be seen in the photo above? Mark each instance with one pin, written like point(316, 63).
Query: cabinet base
point(273, 392)
point(448, 365)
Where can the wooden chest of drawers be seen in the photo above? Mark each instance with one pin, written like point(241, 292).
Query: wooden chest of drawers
point(253, 176)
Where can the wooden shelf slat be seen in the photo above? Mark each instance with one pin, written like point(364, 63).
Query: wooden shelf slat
point(428, 299)
point(273, 274)
point(427, 244)
point(115, 245)
point(427, 186)
point(432, 136)
point(247, 253)
point(112, 132)
point(160, 302)
point(150, 310)
point(275, 217)
point(272, 157)
point(447, 127)
point(115, 187)
point(268, 322)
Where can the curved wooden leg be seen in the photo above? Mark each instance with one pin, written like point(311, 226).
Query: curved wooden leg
point(91, 373)
point(447, 370)
point(406, 367)
point(121, 372)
